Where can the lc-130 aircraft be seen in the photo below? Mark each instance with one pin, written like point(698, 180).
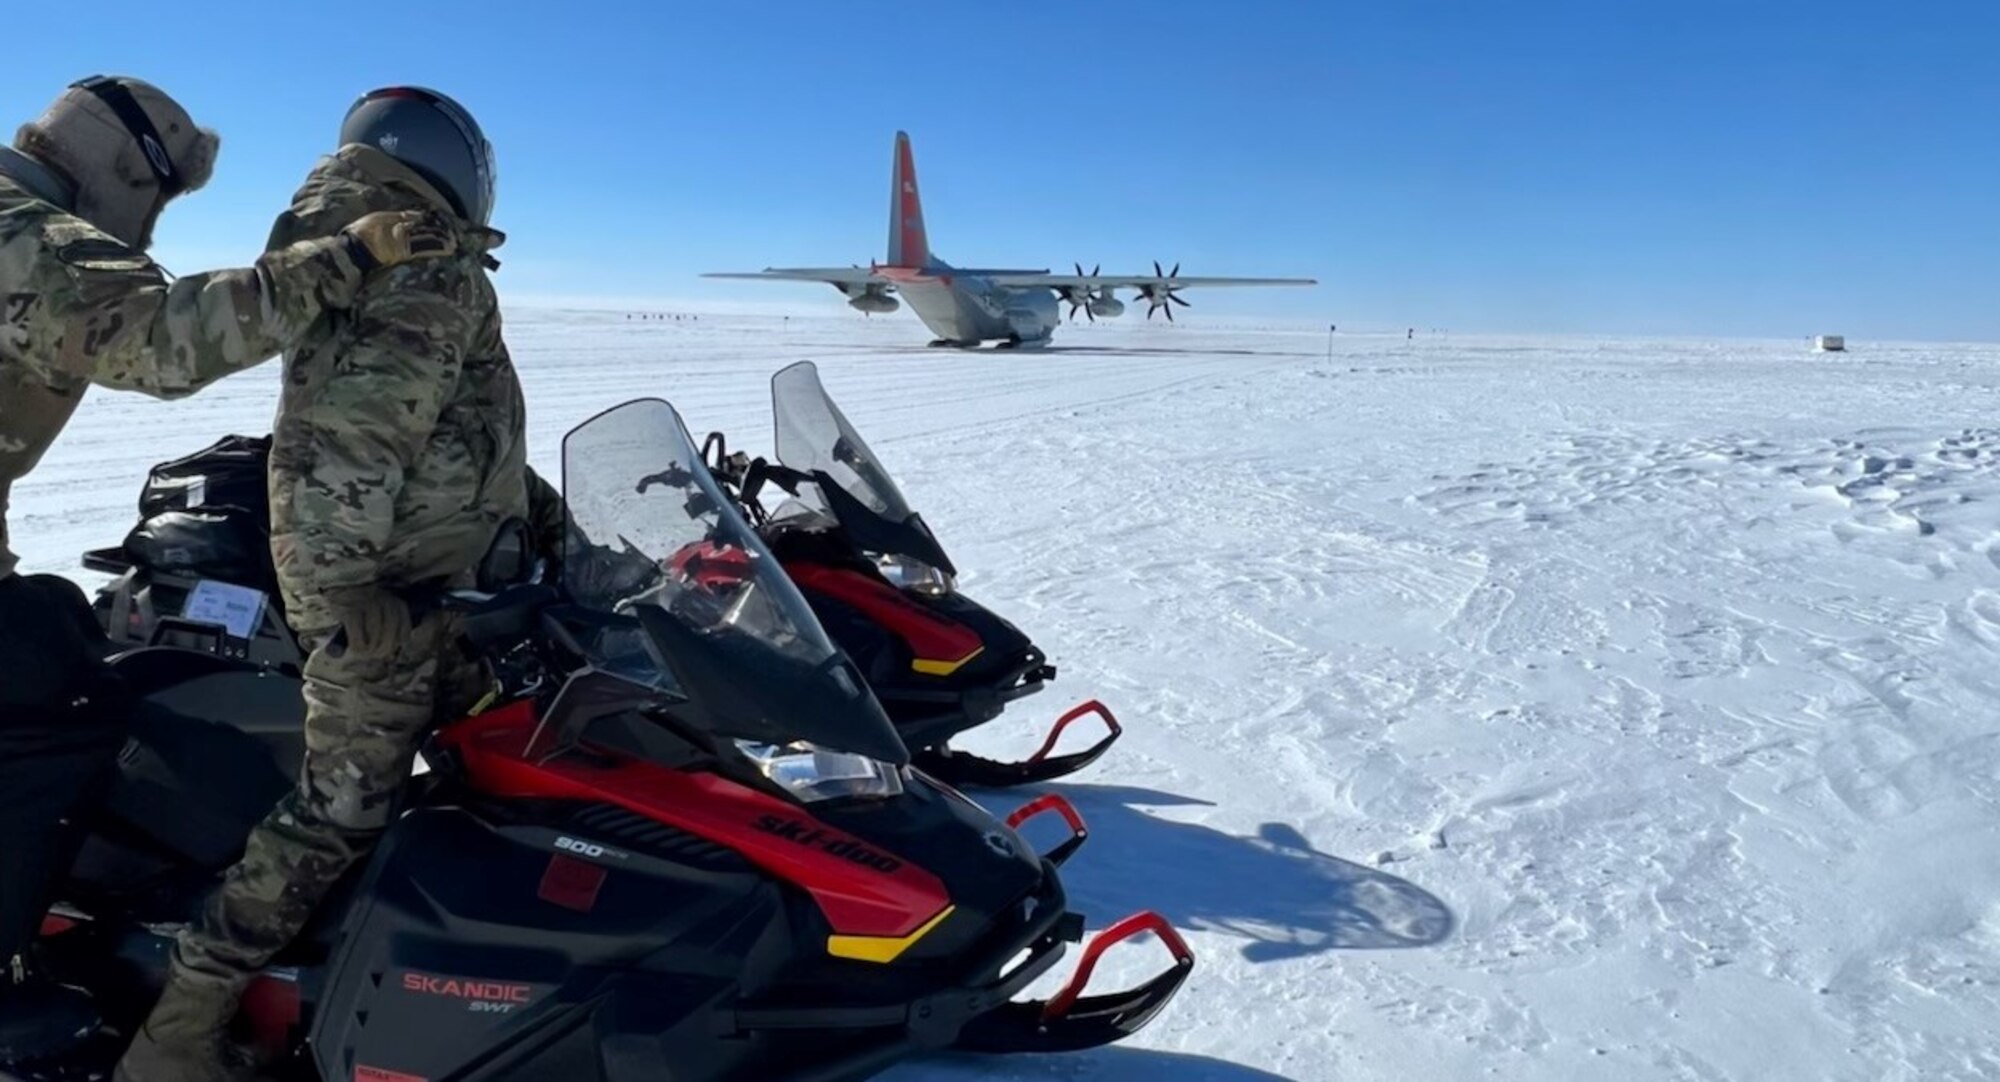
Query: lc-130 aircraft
point(968, 307)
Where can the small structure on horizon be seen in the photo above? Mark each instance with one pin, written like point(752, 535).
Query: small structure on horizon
point(1830, 343)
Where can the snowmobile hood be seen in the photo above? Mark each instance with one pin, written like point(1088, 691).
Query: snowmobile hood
point(358, 180)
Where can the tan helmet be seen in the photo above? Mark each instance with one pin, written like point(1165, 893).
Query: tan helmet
point(127, 147)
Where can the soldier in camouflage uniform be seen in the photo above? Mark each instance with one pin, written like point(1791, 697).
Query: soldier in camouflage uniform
point(81, 304)
point(399, 448)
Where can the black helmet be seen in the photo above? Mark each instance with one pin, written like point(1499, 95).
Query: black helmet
point(433, 135)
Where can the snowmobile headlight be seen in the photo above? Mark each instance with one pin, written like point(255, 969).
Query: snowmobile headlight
point(907, 573)
point(813, 773)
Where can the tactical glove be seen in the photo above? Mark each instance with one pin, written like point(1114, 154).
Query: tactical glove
point(387, 238)
point(373, 621)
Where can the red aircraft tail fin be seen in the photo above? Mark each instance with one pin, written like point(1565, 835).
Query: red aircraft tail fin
point(909, 244)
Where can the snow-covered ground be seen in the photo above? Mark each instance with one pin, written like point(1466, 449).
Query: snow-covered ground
point(1521, 709)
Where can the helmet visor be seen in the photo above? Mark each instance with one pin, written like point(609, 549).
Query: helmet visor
point(485, 184)
point(482, 154)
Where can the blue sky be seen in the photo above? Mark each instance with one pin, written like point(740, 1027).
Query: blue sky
point(1696, 167)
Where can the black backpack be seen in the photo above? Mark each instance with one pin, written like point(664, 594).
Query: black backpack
point(209, 515)
point(231, 473)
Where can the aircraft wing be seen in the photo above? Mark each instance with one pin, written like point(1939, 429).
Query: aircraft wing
point(839, 276)
point(1133, 281)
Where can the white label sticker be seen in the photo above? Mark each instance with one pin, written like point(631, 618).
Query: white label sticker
point(237, 609)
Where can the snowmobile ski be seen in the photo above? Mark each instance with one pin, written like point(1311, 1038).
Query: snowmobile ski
point(965, 770)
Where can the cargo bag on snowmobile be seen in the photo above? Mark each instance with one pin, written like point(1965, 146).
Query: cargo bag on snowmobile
point(229, 473)
point(196, 571)
point(209, 514)
point(227, 543)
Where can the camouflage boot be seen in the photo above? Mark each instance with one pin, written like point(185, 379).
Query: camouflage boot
point(184, 1039)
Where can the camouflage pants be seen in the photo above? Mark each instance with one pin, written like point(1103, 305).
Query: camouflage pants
point(372, 690)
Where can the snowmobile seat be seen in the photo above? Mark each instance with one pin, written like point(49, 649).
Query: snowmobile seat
point(188, 790)
point(194, 785)
point(267, 706)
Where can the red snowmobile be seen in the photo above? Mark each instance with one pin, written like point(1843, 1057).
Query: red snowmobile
point(685, 841)
point(940, 663)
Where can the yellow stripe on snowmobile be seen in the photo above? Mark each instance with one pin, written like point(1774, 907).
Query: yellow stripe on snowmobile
point(881, 949)
point(485, 702)
point(944, 668)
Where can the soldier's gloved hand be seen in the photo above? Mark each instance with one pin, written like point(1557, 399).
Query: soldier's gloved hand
point(372, 620)
point(389, 237)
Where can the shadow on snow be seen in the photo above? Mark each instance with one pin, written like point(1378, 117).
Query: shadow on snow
point(1101, 1065)
point(1272, 890)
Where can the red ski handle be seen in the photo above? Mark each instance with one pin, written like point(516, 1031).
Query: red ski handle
point(1135, 925)
point(1054, 802)
point(1081, 710)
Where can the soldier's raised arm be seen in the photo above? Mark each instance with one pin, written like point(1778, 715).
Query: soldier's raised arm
point(83, 188)
point(99, 311)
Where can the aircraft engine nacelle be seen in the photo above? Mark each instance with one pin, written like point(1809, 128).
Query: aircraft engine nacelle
point(870, 299)
point(874, 303)
point(1107, 307)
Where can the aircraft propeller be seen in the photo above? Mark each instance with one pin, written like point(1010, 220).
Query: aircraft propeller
point(1082, 298)
point(1163, 294)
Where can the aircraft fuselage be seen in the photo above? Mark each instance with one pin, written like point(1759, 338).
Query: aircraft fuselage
point(965, 309)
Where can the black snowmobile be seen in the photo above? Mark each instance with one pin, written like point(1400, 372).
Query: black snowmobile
point(685, 842)
point(877, 578)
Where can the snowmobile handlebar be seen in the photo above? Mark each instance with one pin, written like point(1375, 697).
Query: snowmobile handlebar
point(494, 619)
point(745, 477)
point(759, 472)
point(510, 562)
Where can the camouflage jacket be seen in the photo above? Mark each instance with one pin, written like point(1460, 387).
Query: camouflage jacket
point(401, 434)
point(77, 307)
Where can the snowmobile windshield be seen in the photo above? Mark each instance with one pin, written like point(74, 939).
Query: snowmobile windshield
point(654, 542)
point(814, 437)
